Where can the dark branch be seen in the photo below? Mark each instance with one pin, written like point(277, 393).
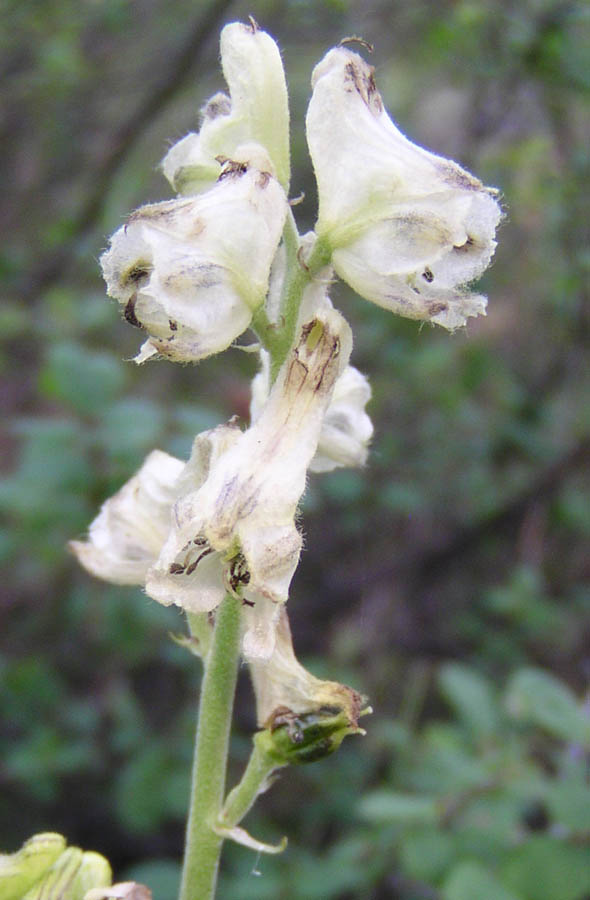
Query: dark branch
point(51, 267)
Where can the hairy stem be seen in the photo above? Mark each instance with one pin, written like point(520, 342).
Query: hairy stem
point(299, 275)
point(254, 781)
point(203, 845)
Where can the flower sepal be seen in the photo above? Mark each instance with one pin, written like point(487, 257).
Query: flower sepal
point(256, 110)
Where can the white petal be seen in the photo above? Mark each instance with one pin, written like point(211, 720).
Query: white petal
point(188, 571)
point(408, 228)
point(191, 272)
point(256, 111)
point(128, 533)
point(190, 165)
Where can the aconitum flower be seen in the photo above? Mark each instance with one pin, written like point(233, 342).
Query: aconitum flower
point(256, 111)
point(191, 272)
point(408, 229)
point(236, 531)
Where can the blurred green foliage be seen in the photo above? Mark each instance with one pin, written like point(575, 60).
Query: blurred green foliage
point(448, 580)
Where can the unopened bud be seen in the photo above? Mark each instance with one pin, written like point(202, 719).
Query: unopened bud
point(21, 870)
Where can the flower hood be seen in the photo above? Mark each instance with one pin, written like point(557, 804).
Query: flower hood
point(408, 228)
point(192, 271)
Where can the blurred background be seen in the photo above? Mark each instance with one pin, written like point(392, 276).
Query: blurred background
point(449, 580)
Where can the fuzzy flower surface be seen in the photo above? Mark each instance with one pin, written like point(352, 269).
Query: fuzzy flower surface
point(192, 271)
point(46, 869)
point(256, 111)
point(408, 229)
point(236, 531)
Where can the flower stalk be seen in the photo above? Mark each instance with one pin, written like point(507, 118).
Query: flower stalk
point(203, 844)
point(278, 337)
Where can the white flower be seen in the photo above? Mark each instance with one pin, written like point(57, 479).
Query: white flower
point(408, 229)
point(256, 112)
point(283, 687)
point(237, 530)
point(191, 272)
point(127, 535)
point(346, 428)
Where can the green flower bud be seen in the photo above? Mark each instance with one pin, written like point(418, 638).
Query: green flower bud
point(71, 876)
point(20, 871)
point(95, 872)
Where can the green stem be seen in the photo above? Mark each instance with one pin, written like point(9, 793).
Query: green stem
point(203, 845)
point(253, 782)
point(299, 275)
point(278, 337)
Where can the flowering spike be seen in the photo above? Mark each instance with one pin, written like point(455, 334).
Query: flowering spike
point(408, 229)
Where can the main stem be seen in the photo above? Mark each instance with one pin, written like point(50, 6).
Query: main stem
point(278, 337)
point(203, 845)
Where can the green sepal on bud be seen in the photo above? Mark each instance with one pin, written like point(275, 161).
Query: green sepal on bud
point(295, 739)
point(44, 869)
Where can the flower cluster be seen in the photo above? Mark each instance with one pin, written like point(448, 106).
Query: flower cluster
point(406, 229)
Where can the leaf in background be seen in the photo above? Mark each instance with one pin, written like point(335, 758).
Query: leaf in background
point(152, 788)
point(386, 807)
point(548, 869)
point(471, 696)
point(426, 853)
point(130, 429)
point(84, 380)
point(569, 803)
point(472, 881)
point(538, 698)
